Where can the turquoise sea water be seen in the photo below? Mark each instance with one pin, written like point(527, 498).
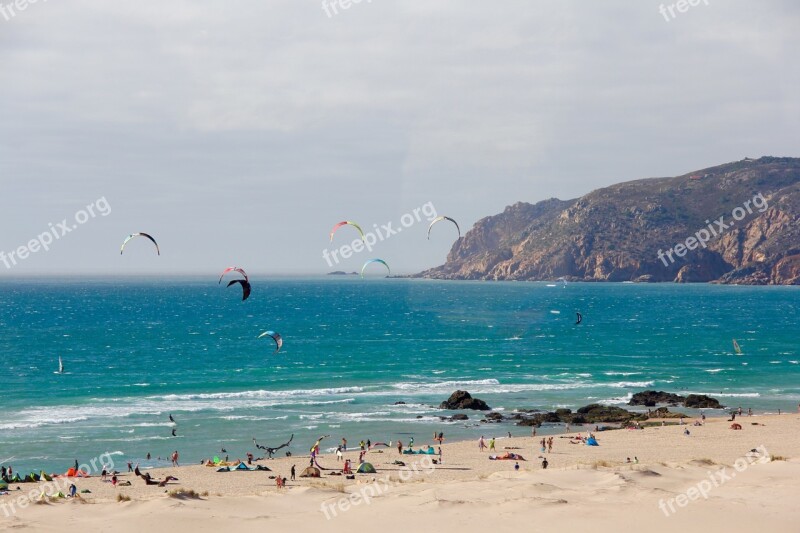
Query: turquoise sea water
point(136, 351)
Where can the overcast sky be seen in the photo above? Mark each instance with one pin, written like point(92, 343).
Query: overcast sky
point(240, 132)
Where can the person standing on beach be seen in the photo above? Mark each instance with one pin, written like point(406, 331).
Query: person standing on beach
point(550, 445)
point(292, 472)
point(130, 466)
point(481, 444)
point(344, 444)
point(533, 431)
point(339, 456)
point(76, 464)
point(400, 447)
point(440, 455)
point(491, 444)
point(544, 463)
point(175, 458)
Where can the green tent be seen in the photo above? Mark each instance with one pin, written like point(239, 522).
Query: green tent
point(366, 468)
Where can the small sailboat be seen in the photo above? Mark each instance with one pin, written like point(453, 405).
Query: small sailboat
point(736, 347)
point(60, 366)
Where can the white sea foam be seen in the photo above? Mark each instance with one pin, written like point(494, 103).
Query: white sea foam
point(619, 400)
point(625, 384)
point(259, 394)
point(731, 394)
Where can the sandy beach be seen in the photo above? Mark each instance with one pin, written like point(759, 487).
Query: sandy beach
point(709, 480)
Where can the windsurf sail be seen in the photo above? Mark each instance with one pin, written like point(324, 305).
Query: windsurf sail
point(736, 347)
point(60, 365)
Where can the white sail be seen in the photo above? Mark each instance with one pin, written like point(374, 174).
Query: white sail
point(60, 365)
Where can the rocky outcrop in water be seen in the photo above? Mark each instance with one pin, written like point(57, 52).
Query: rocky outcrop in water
point(461, 399)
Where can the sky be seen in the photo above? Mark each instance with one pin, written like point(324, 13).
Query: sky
point(240, 132)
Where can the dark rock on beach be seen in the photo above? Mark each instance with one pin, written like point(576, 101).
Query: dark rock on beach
point(595, 413)
point(701, 401)
point(493, 417)
point(650, 398)
point(461, 399)
point(455, 418)
point(663, 412)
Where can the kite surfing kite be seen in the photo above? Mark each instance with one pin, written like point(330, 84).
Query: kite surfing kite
point(276, 337)
point(233, 269)
point(245, 283)
point(580, 318)
point(245, 287)
point(132, 235)
point(270, 450)
point(375, 261)
point(439, 219)
point(347, 223)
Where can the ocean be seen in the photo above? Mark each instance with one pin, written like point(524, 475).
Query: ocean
point(137, 350)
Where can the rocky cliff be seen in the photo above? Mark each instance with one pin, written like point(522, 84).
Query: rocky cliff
point(734, 223)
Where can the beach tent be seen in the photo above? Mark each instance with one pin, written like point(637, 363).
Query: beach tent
point(44, 476)
point(311, 471)
point(591, 441)
point(366, 468)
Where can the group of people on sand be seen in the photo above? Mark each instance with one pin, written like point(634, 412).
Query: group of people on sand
point(546, 444)
point(482, 444)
